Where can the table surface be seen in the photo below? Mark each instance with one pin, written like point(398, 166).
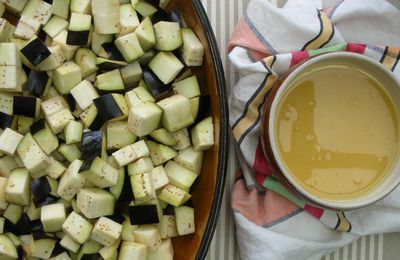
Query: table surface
point(223, 15)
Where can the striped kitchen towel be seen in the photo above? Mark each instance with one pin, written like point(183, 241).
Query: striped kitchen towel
point(271, 222)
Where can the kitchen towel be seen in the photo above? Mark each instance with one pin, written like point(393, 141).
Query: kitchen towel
point(271, 222)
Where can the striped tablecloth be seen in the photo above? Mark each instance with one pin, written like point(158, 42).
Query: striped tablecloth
point(223, 15)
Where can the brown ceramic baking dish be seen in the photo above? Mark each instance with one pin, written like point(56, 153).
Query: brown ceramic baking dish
point(208, 191)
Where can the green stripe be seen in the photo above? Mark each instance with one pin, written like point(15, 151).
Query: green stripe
point(337, 47)
point(272, 184)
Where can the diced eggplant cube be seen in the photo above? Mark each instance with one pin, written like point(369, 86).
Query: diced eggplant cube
point(17, 188)
point(129, 47)
point(15, 6)
point(192, 50)
point(60, 120)
point(183, 139)
point(112, 51)
point(78, 30)
point(36, 51)
point(148, 235)
point(144, 118)
point(92, 144)
point(39, 10)
point(55, 25)
point(142, 187)
point(165, 251)
point(95, 202)
point(130, 153)
point(9, 55)
point(84, 93)
point(67, 50)
point(68, 243)
point(6, 103)
point(100, 173)
point(106, 65)
point(143, 165)
point(44, 136)
point(106, 231)
point(166, 73)
point(203, 135)
point(3, 184)
point(174, 195)
point(159, 177)
point(168, 227)
point(145, 8)
point(177, 113)
point(6, 30)
point(53, 105)
point(81, 6)
point(55, 168)
point(91, 119)
point(12, 214)
point(38, 82)
point(118, 135)
point(9, 79)
point(132, 250)
point(77, 227)
point(32, 156)
point(70, 152)
point(61, 8)
point(138, 96)
point(27, 27)
point(66, 77)
point(128, 19)
point(110, 81)
point(7, 164)
point(143, 214)
point(42, 248)
point(71, 181)
point(155, 85)
point(188, 87)
point(180, 176)
point(40, 188)
point(73, 132)
point(145, 34)
point(26, 106)
point(106, 23)
point(53, 217)
point(6, 120)
point(168, 36)
point(49, 199)
point(184, 220)
point(111, 106)
point(190, 159)
point(86, 59)
point(160, 153)
point(9, 141)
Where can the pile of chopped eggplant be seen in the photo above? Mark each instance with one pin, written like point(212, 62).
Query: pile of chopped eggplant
point(102, 129)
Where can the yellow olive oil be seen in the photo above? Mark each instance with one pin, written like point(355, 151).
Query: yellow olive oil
point(337, 132)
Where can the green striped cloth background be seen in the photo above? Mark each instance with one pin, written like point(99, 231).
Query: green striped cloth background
point(224, 15)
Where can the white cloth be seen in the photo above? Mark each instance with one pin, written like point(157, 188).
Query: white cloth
point(280, 32)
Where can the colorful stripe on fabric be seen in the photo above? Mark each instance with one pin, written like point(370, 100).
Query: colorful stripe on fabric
point(325, 34)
